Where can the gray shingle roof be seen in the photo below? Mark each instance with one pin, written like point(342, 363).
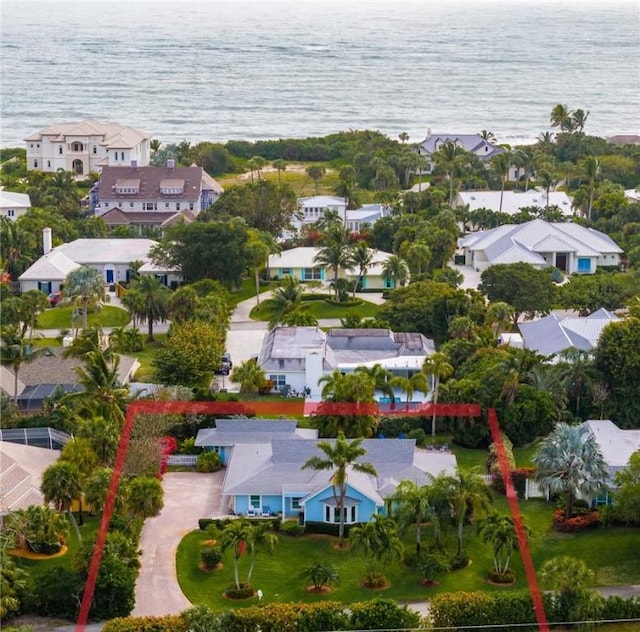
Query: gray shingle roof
point(230, 432)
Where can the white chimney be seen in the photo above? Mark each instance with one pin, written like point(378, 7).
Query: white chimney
point(170, 163)
point(46, 240)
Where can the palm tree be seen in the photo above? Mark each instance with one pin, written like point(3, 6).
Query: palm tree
point(395, 271)
point(361, 257)
point(566, 574)
point(418, 256)
point(414, 507)
point(286, 305)
point(561, 117)
point(501, 163)
point(379, 542)
point(448, 158)
point(148, 298)
point(256, 164)
point(16, 350)
point(570, 462)
point(315, 172)
point(280, 165)
point(15, 243)
point(490, 137)
point(577, 373)
point(338, 457)
point(261, 537)
point(468, 494)
point(249, 375)
point(257, 253)
point(404, 137)
point(347, 184)
point(579, 119)
point(79, 452)
point(84, 286)
point(155, 145)
point(548, 181)
point(417, 382)
point(499, 315)
point(321, 575)
point(591, 170)
point(234, 536)
point(335, 253)
point(437, 366)
point(381, 377)
point(97, 488)
point(500, 532)
point(183, 304)
point(61, 486)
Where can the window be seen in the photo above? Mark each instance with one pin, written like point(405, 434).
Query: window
point(149, 206)
point(60, 150)
point(388, 283)
point(76, 147)
point(120, 204)
point(332, 514)
point(254, 501)
point(127, 190)
point(11, 213)
point(48, 163)
point(286, 272)
point(166, 204)
point(278, 380)
point(95, 149)
point(295, 503)
point(131, 204)
point(177, 206)
point(312, 274)
point(35, 164)
point(191, 206)
point(584, 264)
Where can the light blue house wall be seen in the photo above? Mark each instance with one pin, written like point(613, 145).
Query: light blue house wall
point(223, 451)
point(259, 502)
point(316, 507)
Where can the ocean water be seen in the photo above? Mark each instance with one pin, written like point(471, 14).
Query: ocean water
point(248, 70)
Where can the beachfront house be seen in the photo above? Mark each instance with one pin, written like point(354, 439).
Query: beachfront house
point(85, 147)
point(513, 201)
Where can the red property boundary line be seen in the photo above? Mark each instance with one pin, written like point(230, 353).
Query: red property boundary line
point(296, 408)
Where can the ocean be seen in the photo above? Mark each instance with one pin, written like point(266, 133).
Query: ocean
point(255, 70)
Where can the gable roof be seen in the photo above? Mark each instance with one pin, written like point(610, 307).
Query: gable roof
point(304, 257)
point(53, 266)
point(231, 432)
point(97, 251)
point(469, 142)
point(322, 201)
point(18, 200)
point(539, 236)
point(117, 217)
point(554, 334)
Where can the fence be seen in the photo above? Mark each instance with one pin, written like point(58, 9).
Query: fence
point(188, 460)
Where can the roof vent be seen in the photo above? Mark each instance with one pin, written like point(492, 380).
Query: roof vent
point(170, 163)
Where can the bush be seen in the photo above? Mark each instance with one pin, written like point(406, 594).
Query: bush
point(208, 462)
point(459, 561)
point(210, 557)
point(419, 435)
point(579, 522)
point(325, 528)
point(508, 577)
point(55, 593)
point(291, 528)
point(519, 478)
point(168, 623)
point(220, 523)
point(244, 592)
point(381, 614)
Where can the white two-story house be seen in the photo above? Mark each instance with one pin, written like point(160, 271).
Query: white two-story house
point(85, 147)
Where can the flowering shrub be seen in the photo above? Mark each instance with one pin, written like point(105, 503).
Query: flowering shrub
point(168, 445)
point(576, 523)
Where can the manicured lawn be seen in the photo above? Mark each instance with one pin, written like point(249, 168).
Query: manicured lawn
point(321, 309)
point(146, 371)
point(60, 318)
point(248, 290)
point(614, 553)
point(524, 456)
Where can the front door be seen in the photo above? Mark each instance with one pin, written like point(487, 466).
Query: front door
point(561, 262)
point(109, 276)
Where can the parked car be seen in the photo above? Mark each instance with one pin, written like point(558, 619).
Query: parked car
point(54, 298)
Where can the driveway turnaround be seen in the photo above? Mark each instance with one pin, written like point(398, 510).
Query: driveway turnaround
point(187, 497)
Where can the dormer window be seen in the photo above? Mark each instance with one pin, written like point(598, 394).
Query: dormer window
point(128, 187)
point(172, 186)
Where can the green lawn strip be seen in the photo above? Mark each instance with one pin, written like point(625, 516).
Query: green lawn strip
point(46, 342)
point(60, 318)
point(467, 457)
point(321, 309)
point(37, 567)
point(613, 553)
point(146, 371)
point(524, 456)
point(248, 290)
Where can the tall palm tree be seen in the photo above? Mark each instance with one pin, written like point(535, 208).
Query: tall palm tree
point(468, 495)
point(579, 119)
point(591, 170)
point(340, 456)
point(149, 299)
point(500, 532)
point(381, 378)
point(347, 184)
point(448, 158)
point(234, 536)
point(261, 537)
point(569, 462)
point(499, 315)
point(183, 304)
point(16, 350)
point(335, 253)
point(561, 117)
point(103, 436)
point(257, 253)
point(578, 373)
point(84, 286)
point(501, 163)
point(97, 488)
point(61, 486)
point(280, 166)
point(79, 452)
point(404, 137)
point(437, 366)
point(286, 306)
point(490, 137)
point(395, 271)
point(361, 258)
point(315, 172)
point(418, 256)
point(417, 382)
point(250, 375)
point(413, 507)
point(548, 181)
point(15, 244)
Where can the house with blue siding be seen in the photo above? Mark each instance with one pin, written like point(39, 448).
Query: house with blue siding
point(266, 477)
point(300, 263)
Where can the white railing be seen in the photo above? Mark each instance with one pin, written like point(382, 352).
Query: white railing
point(188, 460)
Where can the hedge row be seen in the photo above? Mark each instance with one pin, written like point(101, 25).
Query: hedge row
point(278, 617)
point(516, 608)
point(580, 522)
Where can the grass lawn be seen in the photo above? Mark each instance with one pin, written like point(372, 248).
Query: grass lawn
point(613, 553)
point(87, 531)
point(60, 317)
point(146, 371)
point(248, 290)
point(321, 310)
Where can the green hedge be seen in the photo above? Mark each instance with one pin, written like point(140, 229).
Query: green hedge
point(325, 528)
point(168, 623)
point(220, 523)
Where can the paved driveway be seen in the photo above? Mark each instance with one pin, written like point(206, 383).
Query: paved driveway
point(187, 497)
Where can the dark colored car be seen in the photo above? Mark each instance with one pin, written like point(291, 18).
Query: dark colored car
point(54, 298)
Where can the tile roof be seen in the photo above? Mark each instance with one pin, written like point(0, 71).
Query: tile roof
point(114, 135)
point(118, 217)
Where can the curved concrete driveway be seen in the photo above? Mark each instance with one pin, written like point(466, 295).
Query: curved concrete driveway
point(187, 497)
